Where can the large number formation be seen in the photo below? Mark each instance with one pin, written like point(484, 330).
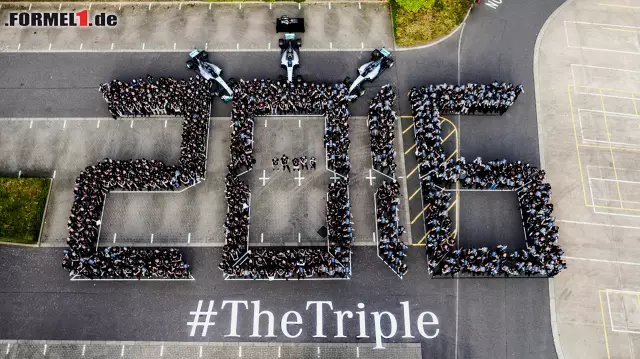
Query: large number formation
point(262, 97)
point(190, 99)
point(542, 255)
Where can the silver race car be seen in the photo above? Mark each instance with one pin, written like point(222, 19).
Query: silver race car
point(290, 57)
point(199, 62)
point(380, 60)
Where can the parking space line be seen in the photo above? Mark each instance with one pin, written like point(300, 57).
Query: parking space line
point(112, 46)
point(604, 324)
point(84, 348)
point(407, 129)
point(423, 237)
point(60, 7)
point(414, 194)
point(189, 238)
point(454, 152)
point(419, 214)
point(410, 149)
point(452, 204)
point(620, 6)
point(50, 46)
point(614, 29)
point(31, 124)
point(613, 161)
point(449, 135)
point(19, 45)
point(54, 174)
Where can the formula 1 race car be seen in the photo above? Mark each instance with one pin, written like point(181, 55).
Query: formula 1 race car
point(380, 60)
point(290, 58)
point(199, 62)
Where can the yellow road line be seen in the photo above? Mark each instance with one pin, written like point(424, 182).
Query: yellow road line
point(635, 108)
point(452, 233)
point(449, 135)
point(624, 30)
point(409, 150)
point(406, 116)
point(638, 295)
point(604, 325)
point(454, 152)
point(419, 214)
point(419, 245)
point(407, 129)
point(424, 237)
point(412, 171)
point(452, 204)
point(414, 193)
point(603, 88)
point(613, 161)
point(621, 6)
point(626, 292)
point(575, 134)
point(611, 207)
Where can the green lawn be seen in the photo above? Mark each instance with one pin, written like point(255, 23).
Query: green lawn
point(22, 203)
point(424, 26)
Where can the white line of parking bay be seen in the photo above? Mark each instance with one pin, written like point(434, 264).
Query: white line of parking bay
point(53, 50)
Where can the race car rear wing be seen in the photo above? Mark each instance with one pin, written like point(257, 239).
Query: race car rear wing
point(290, 24)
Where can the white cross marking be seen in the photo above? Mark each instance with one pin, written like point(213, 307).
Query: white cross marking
point(370, 178)
point(264, 177)
point(299, 178)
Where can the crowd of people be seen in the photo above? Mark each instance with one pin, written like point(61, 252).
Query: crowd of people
point(190, 99)
point(264, 97)
point(390, 248)
point(542, 255)
point(298, 163)
point(382, 119)
point(468, 99)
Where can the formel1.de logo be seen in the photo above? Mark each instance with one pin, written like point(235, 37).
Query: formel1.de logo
point(61, 19)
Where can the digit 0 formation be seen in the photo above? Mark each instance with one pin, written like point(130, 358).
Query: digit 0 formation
point(542, 255)
point(190, 99)
point(264, 97)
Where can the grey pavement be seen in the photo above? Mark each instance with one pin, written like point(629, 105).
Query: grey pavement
point(479, 318)
point(586, 75)
point(215, 26)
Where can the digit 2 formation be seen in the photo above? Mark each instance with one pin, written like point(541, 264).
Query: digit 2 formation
point(542, 255)
point(165, 96)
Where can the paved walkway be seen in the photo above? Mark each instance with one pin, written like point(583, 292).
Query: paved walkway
point(216, 26)
point(588, 88)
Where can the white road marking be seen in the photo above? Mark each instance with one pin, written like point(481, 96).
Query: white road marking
point(331, 45)
point(81, 45)
point(239, 6)
point(19, 45)
point(44, 351)
point(180, 6)
point(362, 45)
point(374, 237)
point(209, 9)
point(112, 46)
point(206, 45)
point(261, 237)
point(370, 178)
point(357, 352)
point(601, 261)
point(174, 45)
point(298, 237)
point(189, 238)
point(596, 224)
point(114, 237)
point(60, 7)
point(459, 45)
point(64, 124)
point(269, 6)
point(119, 6)
point(279, 349)
point(54, 174)
point(162, 350)
point(265, 122)
point(90, 6)
point(165, 123)
point(84, 348)
point(201, 351)
point(299, 6)
point(264, 177)
point(359, 5)
point(29, 7)
point(329, 6)
point(131, 124)
point(98, 124)
point(8, 348)
point(19, 174)
point(237, 46)
point(31, 124)
point(299, 123)
point(299, 178)
point(50, 46)
point(122, 351)
point(318, 352)
point(151, 237)
point(269, 45)
point(239, 352)
point(143, 44)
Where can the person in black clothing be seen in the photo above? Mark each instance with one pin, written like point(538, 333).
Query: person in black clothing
point(304, 162)
point(274, 161)
point(296, 164)
point(285, 162)
point(312, 161)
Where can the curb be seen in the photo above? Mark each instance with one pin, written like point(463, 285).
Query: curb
point(552, 301)
point(44, 213)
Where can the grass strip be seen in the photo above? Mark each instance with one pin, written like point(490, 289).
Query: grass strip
point(22, 204)
point(427, 25)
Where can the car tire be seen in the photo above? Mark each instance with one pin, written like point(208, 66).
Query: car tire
point(298, 42)
point(190, 65)
point(232, 82)
point(347, 81)
point(375, 55)
point(281, 43)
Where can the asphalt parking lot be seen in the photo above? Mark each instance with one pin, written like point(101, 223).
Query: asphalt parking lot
point(215, 26)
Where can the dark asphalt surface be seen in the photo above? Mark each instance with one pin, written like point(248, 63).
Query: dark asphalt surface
point(498, 318)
